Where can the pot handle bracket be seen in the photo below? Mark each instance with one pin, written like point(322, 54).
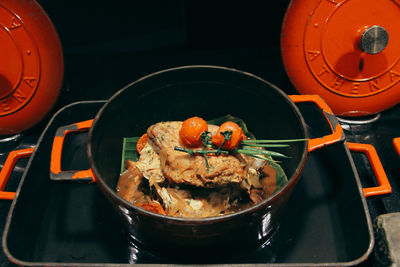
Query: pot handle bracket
point(338, 135)
point(396, 144)
point(337, 130)
point(56, 173)
point(384, 186)
point(8, 167)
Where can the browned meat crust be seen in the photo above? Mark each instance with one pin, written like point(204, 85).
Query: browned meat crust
point(181, 168)
point(268, 179)
point(171, 182)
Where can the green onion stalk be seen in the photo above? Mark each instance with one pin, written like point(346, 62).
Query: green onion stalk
point(250, 147)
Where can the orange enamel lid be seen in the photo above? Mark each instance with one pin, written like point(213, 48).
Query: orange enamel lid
point(346, 51)
point(31, 65)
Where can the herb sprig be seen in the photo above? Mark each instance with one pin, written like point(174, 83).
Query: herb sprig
point(250, 147)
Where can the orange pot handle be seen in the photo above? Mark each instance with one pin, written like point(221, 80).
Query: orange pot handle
point(55, 164)
point(383, 182)
point(8, 167)
point(396, 144)
point(337, 131)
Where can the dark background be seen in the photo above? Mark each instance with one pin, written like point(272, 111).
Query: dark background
point(110, 44)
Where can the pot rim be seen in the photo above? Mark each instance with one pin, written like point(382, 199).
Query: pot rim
point(252, 209)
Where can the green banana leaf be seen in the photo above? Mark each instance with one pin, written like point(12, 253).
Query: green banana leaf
point(129, 151)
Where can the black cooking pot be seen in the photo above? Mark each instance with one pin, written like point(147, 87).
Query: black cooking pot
point(208, 92)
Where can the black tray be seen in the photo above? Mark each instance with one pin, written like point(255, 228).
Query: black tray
point(326, 221)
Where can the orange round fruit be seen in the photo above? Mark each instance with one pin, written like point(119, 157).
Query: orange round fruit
point(192, 130)
point(236, 137)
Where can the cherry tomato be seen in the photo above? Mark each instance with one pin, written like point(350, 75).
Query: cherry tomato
point(142, 142)
point(191, 131)
point(153, 207)
point(236, 137)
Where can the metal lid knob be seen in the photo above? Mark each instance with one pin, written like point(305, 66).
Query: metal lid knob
point(374, 40)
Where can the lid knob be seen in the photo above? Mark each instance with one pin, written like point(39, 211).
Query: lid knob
point(374, 39)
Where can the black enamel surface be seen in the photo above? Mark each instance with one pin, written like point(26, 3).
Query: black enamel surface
point(74, 223)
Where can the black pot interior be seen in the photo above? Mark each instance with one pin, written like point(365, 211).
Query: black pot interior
point(178, 94)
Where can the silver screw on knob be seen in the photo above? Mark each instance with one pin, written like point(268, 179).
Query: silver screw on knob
point(374, 40)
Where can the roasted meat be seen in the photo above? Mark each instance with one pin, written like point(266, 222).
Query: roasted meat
point(175, 183)
point(181, 168)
